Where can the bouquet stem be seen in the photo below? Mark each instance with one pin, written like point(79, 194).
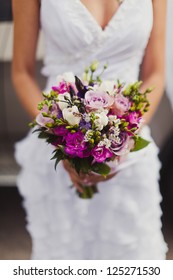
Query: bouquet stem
point(88, 191)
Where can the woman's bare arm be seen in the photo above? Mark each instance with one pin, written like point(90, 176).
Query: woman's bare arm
point(153, 66)
point(26, 29)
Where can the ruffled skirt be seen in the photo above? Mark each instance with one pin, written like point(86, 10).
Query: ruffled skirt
point(121, 222)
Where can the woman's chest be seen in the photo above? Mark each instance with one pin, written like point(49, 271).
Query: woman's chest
point(101, 10)
point(71, 27)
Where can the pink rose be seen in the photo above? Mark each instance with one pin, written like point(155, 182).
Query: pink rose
point(100, 154)
point(121, 105)
point(96, 100)
point(76, 146)
point(123, 146)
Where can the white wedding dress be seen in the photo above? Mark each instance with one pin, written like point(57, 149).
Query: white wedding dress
point(122, 221)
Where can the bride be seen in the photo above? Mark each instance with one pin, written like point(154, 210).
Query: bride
point(123, 220)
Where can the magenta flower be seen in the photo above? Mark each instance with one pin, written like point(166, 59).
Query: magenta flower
point(60, 130)
point(61, 88)
point(95, 100)
point(76, 146)
point(101, 153)
point(121, 105)
point(134, 119)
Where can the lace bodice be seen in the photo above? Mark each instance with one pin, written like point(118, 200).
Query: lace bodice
point(74, 38)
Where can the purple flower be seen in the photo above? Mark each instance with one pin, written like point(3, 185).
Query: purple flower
point(96, 100)
point(85, 125)
point(120, 146)
point(58, 141)
point(76, 146)
point(59, 115)
point(60, 130)
point(121, 105)
point(101, 153)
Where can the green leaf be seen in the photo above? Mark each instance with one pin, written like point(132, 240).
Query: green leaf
point(38, 130)
point(75, 163)
point(88, 191)
point(140, 143)
point(51, 138)
point(101, 168)
point(32, 124)
point(58, 155)
point(43, 135)
point(81, 164)
point(57, 161)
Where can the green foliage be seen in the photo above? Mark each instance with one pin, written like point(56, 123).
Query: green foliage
point(58, 156)
point(81, 164)
point(94, 65)
point(51, 138)
point(88, 192)
point(140, 143)
point(32, 124)
point(101, 168)
point(43, 135)
point(139, 99)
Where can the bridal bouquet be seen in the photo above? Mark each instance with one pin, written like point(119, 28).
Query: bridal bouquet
point(91, 122)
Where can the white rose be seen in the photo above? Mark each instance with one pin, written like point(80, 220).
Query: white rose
point(107, 86)
point(63, 103)
point(101, 120)
point(71, 115)
point(67, 77)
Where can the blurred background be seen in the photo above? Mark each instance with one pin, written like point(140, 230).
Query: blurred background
point(15, 242)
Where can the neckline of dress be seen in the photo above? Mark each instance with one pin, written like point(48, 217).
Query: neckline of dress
point(95, 22)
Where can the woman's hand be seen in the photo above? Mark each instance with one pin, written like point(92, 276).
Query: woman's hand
point(84, 179)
